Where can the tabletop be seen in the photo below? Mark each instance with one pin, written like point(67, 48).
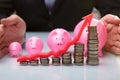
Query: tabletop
point(108, 68)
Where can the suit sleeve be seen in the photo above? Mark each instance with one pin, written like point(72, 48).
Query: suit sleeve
point(6, 8)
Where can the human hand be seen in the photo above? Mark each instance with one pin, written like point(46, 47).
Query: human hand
point(12, 29)
point(112, 24)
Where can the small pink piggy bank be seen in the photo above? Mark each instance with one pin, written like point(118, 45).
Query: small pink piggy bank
point(102, 35)
point(58, 38)
point(15, 49)
point(34, 45)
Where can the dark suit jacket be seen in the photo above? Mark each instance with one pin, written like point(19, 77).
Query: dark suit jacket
point(108, 6)
point(65, 14)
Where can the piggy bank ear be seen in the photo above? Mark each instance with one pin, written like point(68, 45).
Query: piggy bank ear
point(66, 34)
point(53, 33)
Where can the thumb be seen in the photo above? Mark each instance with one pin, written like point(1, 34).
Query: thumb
point(112, 19)
point(109, 27)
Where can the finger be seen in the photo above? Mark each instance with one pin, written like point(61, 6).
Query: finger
point(119, 29)
point(109, 27)
point(118, 37)
point(117, 44)
point(113, 19)
point(110, 43)
point(13, 19)
point(115, 50)
point(1, 29)
point(3, 52)
point(2, 45)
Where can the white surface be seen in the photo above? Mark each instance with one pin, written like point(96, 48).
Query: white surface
point(108, 69)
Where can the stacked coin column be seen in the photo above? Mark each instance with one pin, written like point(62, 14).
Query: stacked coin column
point(92, 57)
point(44, 61)
point(66, 58)
point(78, 54)
point(56, 61)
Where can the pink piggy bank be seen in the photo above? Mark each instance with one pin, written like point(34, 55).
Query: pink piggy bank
point(102, 35)
point(15, 49)
point(34, 45)
point(58, 38)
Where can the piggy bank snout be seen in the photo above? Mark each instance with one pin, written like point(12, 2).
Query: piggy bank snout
point(59, 43)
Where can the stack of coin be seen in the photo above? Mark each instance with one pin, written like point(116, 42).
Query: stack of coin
point(66, 58)
point(24, 63)
point(92, 57)
point(56, 60)
point(34, 62)
point(78, 54)
point(44, 61)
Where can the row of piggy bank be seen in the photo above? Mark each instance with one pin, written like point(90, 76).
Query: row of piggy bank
point(59, 37)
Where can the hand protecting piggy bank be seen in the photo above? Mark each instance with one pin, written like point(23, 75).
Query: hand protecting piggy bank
point(34, 45)
point(102, 35)
point(58, 38)
point(15, 49)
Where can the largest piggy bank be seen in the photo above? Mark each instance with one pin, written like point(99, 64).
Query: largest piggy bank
point(102, 35)
point(58, 38)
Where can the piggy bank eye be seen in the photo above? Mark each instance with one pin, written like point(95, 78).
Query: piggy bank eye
point(30, 44)
point(86, 30)
point(56, 38)
point(62, 38)
point(14, 46)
